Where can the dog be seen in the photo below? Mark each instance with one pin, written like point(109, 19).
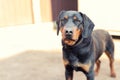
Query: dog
point(82, 47)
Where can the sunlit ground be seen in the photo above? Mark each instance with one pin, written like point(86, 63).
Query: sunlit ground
point(29, 52)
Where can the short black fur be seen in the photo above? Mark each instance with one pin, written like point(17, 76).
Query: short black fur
point(88, 49)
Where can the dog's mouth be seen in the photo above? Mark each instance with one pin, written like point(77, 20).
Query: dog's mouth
point(70, 41)
point(71, 38)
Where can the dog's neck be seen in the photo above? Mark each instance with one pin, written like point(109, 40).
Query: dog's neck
point(79, 51)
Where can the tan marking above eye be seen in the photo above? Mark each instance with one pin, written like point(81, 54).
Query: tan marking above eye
point(65, 17)
point(74, 17)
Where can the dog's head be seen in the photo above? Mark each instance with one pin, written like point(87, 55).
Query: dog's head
point(73, 25)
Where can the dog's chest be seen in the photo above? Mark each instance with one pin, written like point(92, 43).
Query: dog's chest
point(76, 61)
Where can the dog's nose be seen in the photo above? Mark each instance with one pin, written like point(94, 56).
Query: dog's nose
point(69, 34)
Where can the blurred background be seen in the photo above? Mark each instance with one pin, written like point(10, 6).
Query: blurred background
point(29, 45)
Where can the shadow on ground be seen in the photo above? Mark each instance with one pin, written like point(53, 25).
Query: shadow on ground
point(45, 65)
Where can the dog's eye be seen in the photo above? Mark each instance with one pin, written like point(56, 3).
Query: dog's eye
point(76, 21)
point(63, 21)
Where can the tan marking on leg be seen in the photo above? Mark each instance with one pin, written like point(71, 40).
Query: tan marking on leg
point(65, 61)
point(97, 67)
point(69, 78)
point(112, 74)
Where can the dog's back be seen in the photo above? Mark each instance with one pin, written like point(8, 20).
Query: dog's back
point(103, 42)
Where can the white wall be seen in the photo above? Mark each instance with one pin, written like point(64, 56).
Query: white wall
point(104, 13)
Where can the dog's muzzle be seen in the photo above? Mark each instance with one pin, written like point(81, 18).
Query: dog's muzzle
point(69, 34)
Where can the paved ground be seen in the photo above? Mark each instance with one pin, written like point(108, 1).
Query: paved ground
point(34, 53)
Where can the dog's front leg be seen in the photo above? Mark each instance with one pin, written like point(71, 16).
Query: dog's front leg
point(68, 72)
point(90, 74)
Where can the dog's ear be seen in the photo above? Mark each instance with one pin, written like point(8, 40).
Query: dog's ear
point(58, 23)
point(88, 26)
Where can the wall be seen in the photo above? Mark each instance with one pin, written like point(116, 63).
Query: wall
point(14, 12)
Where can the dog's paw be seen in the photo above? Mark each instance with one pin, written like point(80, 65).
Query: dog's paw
point(113, 74)
point(95, 73)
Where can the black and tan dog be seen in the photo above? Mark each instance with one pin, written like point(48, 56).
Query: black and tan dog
point(82, 47)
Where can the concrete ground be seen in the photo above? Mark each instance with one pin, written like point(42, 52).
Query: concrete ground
point(33, 52)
